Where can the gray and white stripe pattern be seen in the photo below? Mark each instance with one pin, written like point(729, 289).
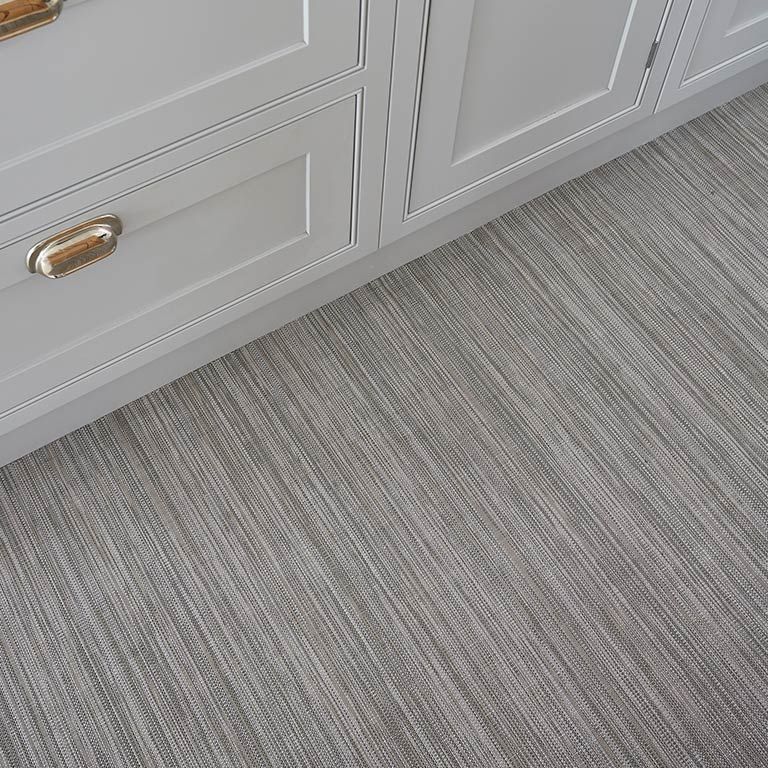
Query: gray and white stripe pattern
point(507, 506)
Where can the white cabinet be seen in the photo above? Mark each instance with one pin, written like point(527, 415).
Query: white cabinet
point(721, 38)
point(194, 241)
point(112, 80)
point(242, 147)
point(487, 91)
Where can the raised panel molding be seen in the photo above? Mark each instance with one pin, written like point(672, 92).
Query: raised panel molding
point(720, 39)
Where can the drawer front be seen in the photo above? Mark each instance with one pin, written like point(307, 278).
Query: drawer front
point(110, 80)
point(720, 39)
point(194, 240)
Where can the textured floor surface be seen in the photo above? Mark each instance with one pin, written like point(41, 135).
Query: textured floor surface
point(507, 506)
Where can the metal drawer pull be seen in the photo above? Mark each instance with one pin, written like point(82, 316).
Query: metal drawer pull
point(75, 248)
point(19, 16)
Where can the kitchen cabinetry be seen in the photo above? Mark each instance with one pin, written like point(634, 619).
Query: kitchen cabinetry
point(110, 81)
point(486, 91)
point(197, 175)
point(720, 39)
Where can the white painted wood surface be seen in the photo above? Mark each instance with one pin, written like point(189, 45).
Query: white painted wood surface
point(720, 39)
point(112, 80)
point(505, 81)
point(238, 273)
point(488, 91)
point(152, 365)
point(487, 98)
point(193, 241)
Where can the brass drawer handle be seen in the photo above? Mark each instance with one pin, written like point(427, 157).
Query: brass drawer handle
point(19, 16)
point(75, 248)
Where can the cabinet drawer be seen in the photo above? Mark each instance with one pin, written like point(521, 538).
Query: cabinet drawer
point(194, 240)
point(110, 80)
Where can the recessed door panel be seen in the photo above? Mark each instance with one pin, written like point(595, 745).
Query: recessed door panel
point(112, 80)
point(503, 83)
point(497, 103)
point(192, 242)
point(721, 38)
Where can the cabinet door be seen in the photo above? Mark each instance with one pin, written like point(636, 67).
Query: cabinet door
point(506, 87)
point(720, 39)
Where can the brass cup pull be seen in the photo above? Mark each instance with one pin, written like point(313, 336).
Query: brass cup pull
point(19, 16)
point(75, 248)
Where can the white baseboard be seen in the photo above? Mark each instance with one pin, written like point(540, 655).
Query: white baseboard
point(134, 382)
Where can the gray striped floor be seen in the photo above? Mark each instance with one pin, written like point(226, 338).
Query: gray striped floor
point(507, 506)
